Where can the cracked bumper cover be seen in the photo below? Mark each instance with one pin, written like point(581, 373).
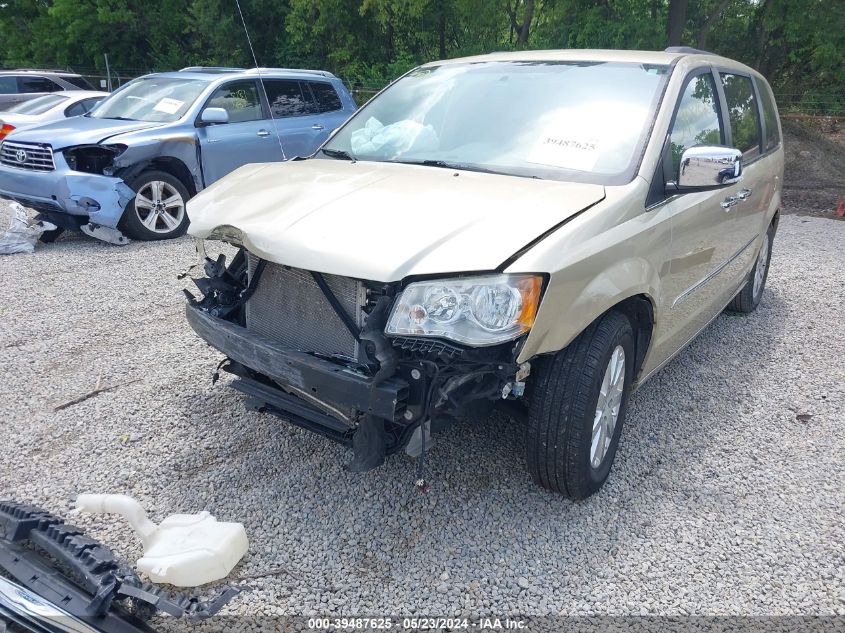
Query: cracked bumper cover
point(101, 199)
point(331, 382)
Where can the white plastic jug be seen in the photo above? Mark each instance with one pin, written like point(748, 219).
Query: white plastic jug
point(185, 550)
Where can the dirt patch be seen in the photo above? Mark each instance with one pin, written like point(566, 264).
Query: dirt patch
point(814, 178)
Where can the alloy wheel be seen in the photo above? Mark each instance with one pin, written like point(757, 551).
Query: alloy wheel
point(159, 207)
point(608, 406)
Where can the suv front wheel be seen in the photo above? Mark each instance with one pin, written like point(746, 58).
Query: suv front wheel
point(577, 406)
point(157, 212)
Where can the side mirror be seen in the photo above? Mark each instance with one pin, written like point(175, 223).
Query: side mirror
point(214, 116)
point(709, 167)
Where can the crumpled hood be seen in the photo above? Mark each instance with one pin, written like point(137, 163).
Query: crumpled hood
point(81, 130)
point(384, 221)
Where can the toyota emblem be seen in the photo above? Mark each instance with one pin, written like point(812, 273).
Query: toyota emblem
point(21, 156)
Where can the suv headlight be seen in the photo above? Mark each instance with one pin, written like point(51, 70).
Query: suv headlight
point(472, 310)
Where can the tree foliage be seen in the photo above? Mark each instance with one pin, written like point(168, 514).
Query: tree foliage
point(798, 44)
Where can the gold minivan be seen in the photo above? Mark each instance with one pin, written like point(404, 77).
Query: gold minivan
point(539, 231)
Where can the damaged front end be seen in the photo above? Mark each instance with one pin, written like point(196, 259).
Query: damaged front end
point(312, 348)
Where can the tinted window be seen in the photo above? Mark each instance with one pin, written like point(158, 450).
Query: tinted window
point(239, 99)
point(326, 96)
point(39, 105)
point(770, 115)
point(742, 112)
point(697, 120)
point(76, 109)
point(79, 82)
point(37, 84)
point(8, 85)
point(287, 98)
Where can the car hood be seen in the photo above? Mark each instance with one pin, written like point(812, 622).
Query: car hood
point(383, 221)
point(81, 130)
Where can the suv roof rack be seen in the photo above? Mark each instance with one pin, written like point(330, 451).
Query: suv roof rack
point(688, 50)
point(43, 70)
point(304, 71)
point(211, 69)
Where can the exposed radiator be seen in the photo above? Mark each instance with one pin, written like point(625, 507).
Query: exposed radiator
point(289, 307)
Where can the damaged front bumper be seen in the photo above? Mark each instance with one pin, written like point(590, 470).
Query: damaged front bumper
point(67, 198)
point(398, 389)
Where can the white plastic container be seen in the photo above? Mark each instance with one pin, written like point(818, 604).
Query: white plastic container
point(185, 550)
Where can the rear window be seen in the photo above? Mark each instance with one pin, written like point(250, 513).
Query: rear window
point(770, 115)
point(8, 85)
point(79, 82)
point(326, 96)
point(742, 112)
point(39, 105)
point(37, 84)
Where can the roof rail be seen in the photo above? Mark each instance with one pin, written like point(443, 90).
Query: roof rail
point(687, 50)
point(211, 69)
point(58, 71)
point(323, 73)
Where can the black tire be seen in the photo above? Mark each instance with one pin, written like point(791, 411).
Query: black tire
point(747, 300)
point(48, 237)
point(562, 408)
point(132, 222)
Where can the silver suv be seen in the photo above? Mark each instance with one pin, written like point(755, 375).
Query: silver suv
point(21, 85)
point(129, 166)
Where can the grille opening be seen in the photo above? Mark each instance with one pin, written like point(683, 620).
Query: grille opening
point(290, 308)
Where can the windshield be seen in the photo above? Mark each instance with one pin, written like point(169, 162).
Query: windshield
point(155, 99)
point(581, 121)
point(39, 105)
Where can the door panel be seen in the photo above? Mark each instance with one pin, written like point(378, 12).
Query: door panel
point(756, 188)
point(247, 138)
point(704, 244)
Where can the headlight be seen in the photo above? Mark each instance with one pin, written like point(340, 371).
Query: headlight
point(473, 310)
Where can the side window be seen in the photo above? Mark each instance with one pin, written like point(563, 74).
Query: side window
point(89, 104)
point(8, 85)
point(287, 98)
point(770, 115)
point(76, 109)
point(742, 112)
point(326, 96)
point(37, 84)
point(239, 99)
point(697, 121)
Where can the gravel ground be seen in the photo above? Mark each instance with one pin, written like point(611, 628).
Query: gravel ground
point(727, 496)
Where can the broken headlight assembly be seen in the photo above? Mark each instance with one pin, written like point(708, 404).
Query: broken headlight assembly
point(93, 159)
point(475, 311)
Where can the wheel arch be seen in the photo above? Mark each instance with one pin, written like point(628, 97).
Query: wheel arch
point(169, 164)
point(629, 286)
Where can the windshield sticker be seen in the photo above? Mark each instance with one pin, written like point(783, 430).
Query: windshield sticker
point(168, 105)
point(568, 151)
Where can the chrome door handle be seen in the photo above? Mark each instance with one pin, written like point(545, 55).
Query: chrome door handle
point(743, 194)
point(316, 126)
point(730, 201)
point(263, 133)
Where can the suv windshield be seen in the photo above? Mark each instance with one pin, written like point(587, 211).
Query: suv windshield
point(39, 105)
point(580, 121)
point(156, 99)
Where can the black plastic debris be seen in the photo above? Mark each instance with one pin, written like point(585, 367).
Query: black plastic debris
point(62, 565)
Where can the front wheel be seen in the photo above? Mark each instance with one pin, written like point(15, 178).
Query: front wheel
point(157, 212)
point(578, 401)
